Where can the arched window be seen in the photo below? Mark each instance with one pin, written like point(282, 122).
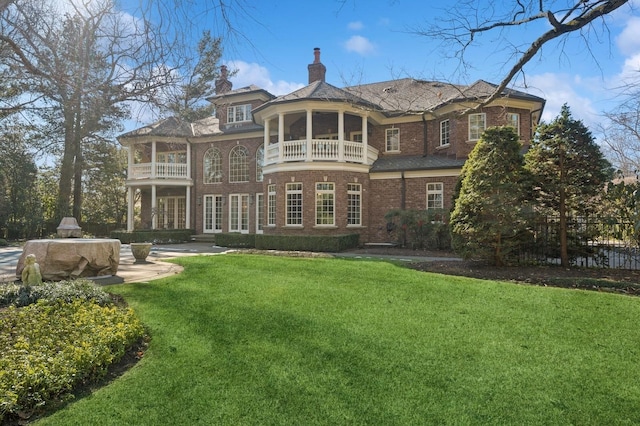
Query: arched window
point(238, 164)
point(259, 163)
point(212, 166)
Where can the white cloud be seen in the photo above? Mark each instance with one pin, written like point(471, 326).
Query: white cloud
point(252, 73)
point(355, 26)
point(360, 45)
point(628, 41)
point(560, 89)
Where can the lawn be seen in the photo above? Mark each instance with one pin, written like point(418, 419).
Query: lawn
point(248, 339)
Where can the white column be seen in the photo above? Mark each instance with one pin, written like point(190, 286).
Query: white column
point(267, 130)
point(309, 134)
point(187, 221)
point(130, 202)
point(153, 160)
point(341, 136)
point(130, 160)
point(154, 207)
point(281, 136)
point(188, 160)
point(365, 139)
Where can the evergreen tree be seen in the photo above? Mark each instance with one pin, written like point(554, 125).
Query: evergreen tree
point(486, 220)
point(569, 171)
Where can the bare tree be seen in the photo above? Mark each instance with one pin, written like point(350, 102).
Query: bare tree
point(621, 136)
point(471, 19)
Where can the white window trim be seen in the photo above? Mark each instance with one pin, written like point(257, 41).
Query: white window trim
point(332, 192)
point(271, 196)
point(484, 119)
point(206, 157)
point(246, 113)
point(517, 127)
point(286, 204)
point(240, 198)
point(386, 139)
point(213, 198)
point(448, 131)
point(435, 192)
point(352, 134)
point(260, 215)
point(359, 193)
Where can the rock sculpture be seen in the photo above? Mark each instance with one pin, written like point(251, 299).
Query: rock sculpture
point(69, 228)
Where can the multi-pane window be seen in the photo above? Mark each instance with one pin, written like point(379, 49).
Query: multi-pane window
point(271, 205)
point(325, 203)
point(239, 213)
point(259, 163)
point(212, 166)
point(239, 164)
point(393, 139)
point(435, 196)
point(259, 212)
point(354, 204)
point(294, 204)
point(238, 113)
point(477, 124)
point(445, 130)
point(356, 136)
point(213, 213)
point(513, 120)
point(172, 157)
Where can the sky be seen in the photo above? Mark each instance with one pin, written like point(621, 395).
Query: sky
point(365, 41)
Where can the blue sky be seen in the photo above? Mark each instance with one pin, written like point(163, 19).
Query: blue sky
point(365, 41)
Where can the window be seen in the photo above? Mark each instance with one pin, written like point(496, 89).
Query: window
point(259, 163)
point(238, 164)
point(513, 120)
point(239, 213)
point(271, 205)
point(294, 204)
point(354, 203)
point(445, 130)
point(325, 204)
point(393, 139)
point(212, 166)
point(434, 196)
point(239, 113)
point(259, 212)
point(213, 213)
point(477, 124)
point(173, 157)
point(356, 136)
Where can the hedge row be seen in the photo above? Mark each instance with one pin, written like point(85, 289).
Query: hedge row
point(333, 243)
point(65, 338)
point(158, 236)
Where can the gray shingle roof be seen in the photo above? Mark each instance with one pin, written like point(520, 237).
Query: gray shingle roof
point(414, 162)
point(171, 126)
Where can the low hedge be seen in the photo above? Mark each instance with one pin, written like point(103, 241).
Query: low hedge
point(236, 240)
point(48, 348)
point(13, 294)
point(158, 236)
point(320, 243)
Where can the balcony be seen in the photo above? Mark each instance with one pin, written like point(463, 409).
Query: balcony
point(320, 150)
point(162, 171)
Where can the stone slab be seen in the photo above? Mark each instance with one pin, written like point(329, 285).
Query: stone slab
point(61, 259)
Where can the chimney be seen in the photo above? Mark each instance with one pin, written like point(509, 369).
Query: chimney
point(317, 71)
point(223, 85)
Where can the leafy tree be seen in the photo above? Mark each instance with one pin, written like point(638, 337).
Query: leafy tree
point(186, 99)
point(569, 171)
point(486, 221)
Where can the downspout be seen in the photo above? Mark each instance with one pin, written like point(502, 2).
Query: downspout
point(424, 135)
point(403, 191)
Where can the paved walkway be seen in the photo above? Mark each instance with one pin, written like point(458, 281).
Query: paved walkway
point(155, 268)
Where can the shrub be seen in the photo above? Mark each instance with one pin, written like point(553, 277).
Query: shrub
point(236, 240)
point(3, 242)
point(321, 243)
point(12, 294)
point(47, 348)
point(158, 236)
point(420, 229)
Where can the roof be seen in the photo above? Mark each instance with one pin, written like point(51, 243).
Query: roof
point(415, 162)
point(322, 91)
point(252, 88)
point(171, 126)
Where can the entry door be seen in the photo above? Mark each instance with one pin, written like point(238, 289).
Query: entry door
point(212, 213)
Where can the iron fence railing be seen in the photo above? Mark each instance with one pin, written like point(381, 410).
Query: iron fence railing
point(592, 242)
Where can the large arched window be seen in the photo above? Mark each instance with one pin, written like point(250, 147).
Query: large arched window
point(259, 163)
point(212, 166)
point(238, 164)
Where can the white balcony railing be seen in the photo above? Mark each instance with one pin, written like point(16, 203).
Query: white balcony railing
point(320, 150)
point(163, 171)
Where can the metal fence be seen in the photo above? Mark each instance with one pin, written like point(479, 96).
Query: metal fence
point(592, 242)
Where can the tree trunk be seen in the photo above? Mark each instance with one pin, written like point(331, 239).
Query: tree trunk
point(564, 251)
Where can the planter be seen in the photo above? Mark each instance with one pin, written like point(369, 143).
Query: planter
point(140, 251)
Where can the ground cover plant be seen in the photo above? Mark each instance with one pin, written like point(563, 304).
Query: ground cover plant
point(53, 339)
point(249, 339)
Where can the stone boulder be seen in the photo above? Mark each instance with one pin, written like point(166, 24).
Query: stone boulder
point(61, 259)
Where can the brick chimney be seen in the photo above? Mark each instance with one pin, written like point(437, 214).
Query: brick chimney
point(223, 85)
point(317, 71)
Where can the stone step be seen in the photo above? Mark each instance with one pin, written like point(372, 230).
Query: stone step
point(203, 238)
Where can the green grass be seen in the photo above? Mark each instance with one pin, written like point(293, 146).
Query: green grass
point(240, 339)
